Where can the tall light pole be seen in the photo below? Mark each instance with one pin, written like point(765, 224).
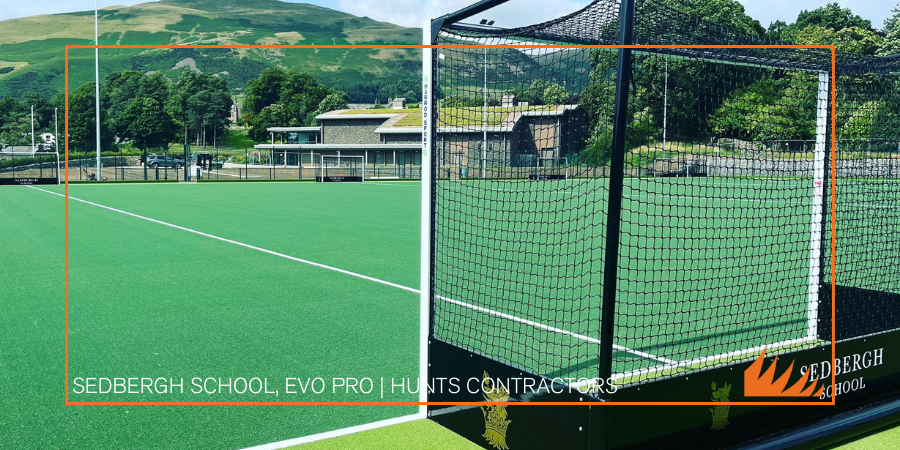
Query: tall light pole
point(97, 82)
point(665, 113)
point(484, 120)
point(56, 139)
point(32, 130)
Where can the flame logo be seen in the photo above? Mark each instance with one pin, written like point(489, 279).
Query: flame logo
point(758, 384)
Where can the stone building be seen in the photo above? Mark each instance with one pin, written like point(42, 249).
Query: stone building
point(389, 141)
point(512, 137)
point(507, 137)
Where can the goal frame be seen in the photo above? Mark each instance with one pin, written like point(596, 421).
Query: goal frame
point(57, 180)
point(553, 170)
point(322, 174)
point(626, 49)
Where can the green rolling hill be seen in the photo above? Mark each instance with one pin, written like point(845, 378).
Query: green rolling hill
point(32, 48)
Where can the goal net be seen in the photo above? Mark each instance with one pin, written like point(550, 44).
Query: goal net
point(28, 168)
point(702, 254)
point(551, 168)
point(340, 168)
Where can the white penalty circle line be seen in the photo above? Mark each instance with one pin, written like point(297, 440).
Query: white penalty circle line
point(541, 326)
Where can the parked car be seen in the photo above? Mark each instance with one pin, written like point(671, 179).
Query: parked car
point(154, 161)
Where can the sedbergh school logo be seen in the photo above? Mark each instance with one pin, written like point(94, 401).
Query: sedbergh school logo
point(759, 384)
point(495, 422)
point(720, 412)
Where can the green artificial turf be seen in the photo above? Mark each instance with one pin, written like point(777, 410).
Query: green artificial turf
point(885, 440)
point(415, 435)
point(147, 300)
point(702, 268)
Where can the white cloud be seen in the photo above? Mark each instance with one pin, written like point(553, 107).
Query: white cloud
point(10, 9)
point(412, 13)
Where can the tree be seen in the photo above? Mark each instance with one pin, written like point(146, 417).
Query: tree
point(201, 103)
point(598, 100)
point(120, 88)
point(555, 95)
point(298, 93)
point(833, 17)
point(869, 107)
point(209, 109)
point(769, 109)
point(891, 45)
point(301, 94)
point(847, 40)
point(16, 130)
point(830, 16)
point(148, 124)
point(264, 90)
point(540, 92)
point(177, 104)
point(276, 115)
point(82, 120)
point(727, 13)
point(775, 29)
point(378, 90)
point(331, 102)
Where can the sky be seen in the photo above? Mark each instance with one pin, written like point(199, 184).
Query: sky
point(516, 12)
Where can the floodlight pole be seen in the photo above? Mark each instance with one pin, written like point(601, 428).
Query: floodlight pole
point(97, 83)
point(56, 139)
point(32, 131)
point(616, 182)
point(665, 112)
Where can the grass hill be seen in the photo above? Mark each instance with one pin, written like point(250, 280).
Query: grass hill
point(32, 48)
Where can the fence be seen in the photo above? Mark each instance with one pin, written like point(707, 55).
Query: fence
point(229, 165)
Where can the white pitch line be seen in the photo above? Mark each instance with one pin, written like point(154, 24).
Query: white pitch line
point(666, 361)
point(337, 433)
point(240, 244)
point(217, 173)
point(364, 277)
point(552, 329)
point(752, 352)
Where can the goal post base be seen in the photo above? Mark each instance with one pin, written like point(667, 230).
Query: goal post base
point(26, 181)
point(651, 426)
point(547, 177)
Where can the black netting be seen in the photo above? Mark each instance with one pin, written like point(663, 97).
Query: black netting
point(867, 168)
point(724, 244)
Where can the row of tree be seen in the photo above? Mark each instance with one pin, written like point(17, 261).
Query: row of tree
point(704, 100)
point(284, 97)
point(150, 111)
